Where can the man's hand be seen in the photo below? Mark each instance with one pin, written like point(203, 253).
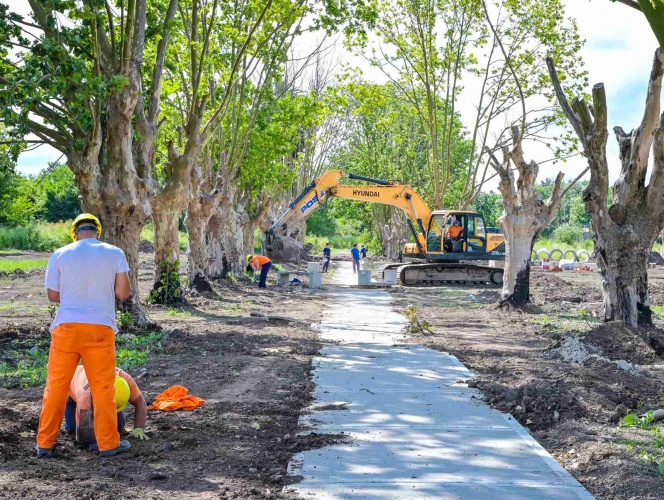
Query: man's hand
point(139, 433)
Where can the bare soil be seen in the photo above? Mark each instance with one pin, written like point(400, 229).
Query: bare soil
point(572, 409)
point(253, 372)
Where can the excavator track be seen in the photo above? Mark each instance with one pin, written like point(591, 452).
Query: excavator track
point(452, 274)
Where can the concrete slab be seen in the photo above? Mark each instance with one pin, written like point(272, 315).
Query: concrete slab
point(415, 430)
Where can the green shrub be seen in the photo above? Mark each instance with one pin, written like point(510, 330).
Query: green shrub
point(39, 237)
point(569, 234)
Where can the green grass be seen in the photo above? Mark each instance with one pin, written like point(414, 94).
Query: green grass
point(174, 313)
point(40, 237)
point(148, 234)
point(22, 369)
point(9, 265)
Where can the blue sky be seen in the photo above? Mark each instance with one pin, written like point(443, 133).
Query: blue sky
point(619, 50)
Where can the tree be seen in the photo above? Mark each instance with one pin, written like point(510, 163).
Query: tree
point(625, 233)
point(525, 216)
point(80, 89)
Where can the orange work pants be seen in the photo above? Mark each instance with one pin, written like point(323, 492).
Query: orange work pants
point(96, 345)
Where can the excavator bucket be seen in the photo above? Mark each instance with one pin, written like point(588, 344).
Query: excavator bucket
point(285, 248)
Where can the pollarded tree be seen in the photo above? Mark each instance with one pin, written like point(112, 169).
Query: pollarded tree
point(626, 231)
point(525, 215)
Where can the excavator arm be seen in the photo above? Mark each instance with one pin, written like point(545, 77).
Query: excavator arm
point(329, 185)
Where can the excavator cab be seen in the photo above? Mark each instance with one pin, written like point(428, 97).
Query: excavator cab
point(447, 241)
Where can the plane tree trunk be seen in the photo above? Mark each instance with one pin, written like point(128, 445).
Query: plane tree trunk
point(625, 232)
point(201, 208)
point(524, 215)
point(167, 205)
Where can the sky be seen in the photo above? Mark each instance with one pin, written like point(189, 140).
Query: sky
point(618, 52)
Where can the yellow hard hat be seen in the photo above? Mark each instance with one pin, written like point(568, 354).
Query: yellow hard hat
point(82, 218)
point(249, 257)
point(121, 393)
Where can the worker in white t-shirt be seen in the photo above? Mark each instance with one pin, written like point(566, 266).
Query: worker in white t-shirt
point(85, 278)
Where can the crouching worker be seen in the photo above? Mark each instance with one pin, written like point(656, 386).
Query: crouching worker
point(256, 262)
point(84, 277)
point(126, 391)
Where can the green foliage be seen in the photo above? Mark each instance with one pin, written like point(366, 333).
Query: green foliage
point(127, 359)
point(167, 289)
point(321, 223)
point(40, 237)
point(489, 206)
point(24, 369)
point(124, 320)
point(51, 196)
point(569, 234)
point(416, 325)
point(9, 265)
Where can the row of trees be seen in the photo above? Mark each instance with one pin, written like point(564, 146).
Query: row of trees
point(161, 106)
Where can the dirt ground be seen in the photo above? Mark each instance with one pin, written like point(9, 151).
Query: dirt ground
point(254, 374)
point(573, 408)
point(255, 377)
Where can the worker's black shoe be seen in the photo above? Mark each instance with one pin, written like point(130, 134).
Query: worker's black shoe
point(44, 452)
point(124, 446)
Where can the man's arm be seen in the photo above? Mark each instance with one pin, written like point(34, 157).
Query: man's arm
point(122, 287)
point(140, 412)
point(53, 296)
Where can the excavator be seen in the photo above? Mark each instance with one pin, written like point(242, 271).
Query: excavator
point(460, 260)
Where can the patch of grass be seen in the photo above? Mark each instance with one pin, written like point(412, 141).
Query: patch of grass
point(658, 310)
point(39, 236)
point(10, 265)
point(174, 313)
point(24, 369)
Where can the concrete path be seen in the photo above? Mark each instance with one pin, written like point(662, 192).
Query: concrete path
point(416, 432)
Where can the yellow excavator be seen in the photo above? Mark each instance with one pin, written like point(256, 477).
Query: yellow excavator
point(448, 259)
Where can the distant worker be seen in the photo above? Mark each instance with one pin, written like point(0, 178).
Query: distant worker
point(327, 256)
point(85, 278)
point(126, 391)
point(364, 252)
point(256, 262)
point(455, 235)
point(355, 253)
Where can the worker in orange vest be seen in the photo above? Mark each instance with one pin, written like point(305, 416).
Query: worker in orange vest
point(256, 262)
point(455, 234)
point(126, 391)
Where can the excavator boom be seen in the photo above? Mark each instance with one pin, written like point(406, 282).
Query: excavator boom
point(328, 185)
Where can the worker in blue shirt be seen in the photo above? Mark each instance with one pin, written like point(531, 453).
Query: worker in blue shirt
point(327, 256)
point(356, 258)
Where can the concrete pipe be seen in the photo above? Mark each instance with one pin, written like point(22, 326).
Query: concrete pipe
point(581, 253)
point(556, 251)
point(571, 254)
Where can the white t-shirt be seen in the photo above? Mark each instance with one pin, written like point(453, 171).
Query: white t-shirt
point(84, 274)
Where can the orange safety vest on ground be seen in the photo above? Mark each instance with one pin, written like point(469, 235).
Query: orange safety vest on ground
point(259, 261)
point(79, 389)
point(454, 231)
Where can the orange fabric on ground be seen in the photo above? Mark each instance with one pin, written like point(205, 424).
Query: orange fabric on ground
point(454, 231)
point(95, 344)
point(176, 398)
point(79, 389)
point(259, 261)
